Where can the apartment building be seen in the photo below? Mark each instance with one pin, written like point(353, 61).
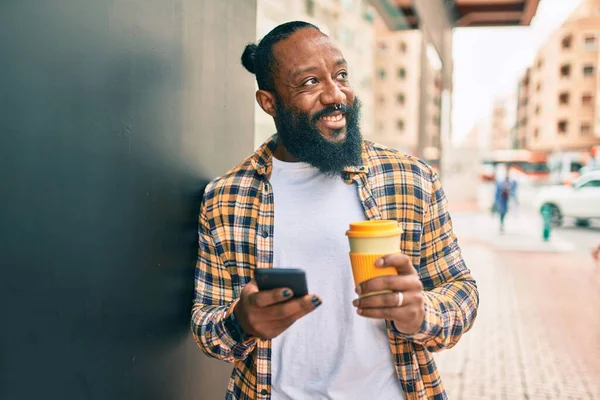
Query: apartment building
point(558, 107)
point(401, 60)
point(523, 88)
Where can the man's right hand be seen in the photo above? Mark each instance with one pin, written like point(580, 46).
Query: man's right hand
point(266, 314)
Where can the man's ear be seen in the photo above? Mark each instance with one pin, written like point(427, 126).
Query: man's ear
point(266, 100)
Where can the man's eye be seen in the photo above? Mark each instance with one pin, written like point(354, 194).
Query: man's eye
point(310, 82)
point(343, 75)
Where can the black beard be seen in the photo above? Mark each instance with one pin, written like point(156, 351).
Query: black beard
point(300, 136)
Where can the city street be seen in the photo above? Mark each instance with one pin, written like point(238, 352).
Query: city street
point(536, 335)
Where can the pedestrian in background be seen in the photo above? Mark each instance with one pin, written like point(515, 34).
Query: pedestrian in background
point(505, 190)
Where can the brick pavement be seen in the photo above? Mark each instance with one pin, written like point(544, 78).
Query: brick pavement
point(537, 335)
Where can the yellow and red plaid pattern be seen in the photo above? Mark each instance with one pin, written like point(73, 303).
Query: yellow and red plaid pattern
point(236, 236)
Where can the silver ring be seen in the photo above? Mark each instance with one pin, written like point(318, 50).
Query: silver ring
point(400, 299)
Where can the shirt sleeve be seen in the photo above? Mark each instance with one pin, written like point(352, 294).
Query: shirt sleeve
point(214, 301)
point(451, 295)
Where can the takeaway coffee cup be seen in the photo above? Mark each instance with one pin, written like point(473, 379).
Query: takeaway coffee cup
point(369, 240)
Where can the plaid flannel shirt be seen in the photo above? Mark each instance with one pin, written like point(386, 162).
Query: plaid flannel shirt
point(236, 236)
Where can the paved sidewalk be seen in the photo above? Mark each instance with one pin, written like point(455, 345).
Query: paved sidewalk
point(523, 232)
point(537, 335)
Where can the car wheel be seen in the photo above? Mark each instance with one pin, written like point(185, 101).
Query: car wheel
point(556, 218)
point(582, 222)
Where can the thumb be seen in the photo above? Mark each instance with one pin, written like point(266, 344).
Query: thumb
point(251, 287)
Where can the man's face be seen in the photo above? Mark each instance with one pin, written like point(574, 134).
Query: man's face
point(316, 112)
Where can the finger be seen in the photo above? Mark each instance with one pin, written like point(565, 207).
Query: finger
point(250, 288)
point(400, 261)
point(283, 324)
point(301, 306)
point(266, 298)
point(395, 283)
point(294, 309)
point(396, 299)
point(391, 313)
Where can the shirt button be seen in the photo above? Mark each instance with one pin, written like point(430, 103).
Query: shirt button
point(264, 392)
point(265, 234)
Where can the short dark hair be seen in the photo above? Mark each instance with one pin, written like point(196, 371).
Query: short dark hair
point(259, 59)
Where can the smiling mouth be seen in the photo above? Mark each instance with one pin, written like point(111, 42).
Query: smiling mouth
point(333, 122)
point(333, 118)
point(333, 127)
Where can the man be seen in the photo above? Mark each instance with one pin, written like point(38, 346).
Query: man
point(289, 205)
point(504, 191)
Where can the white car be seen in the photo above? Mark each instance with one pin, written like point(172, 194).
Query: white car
point(581, 200)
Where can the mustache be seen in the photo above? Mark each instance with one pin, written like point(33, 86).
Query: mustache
point(330, 110)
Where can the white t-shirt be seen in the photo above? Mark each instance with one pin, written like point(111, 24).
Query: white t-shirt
point(332, 353)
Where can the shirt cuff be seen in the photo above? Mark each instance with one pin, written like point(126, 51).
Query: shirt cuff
point(240, 349)
point(431, 325)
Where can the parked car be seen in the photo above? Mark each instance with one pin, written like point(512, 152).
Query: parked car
point(580, 200)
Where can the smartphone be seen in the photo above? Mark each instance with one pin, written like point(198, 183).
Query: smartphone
point(275, 278)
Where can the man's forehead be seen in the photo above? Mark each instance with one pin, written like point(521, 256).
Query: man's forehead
point(304, 47)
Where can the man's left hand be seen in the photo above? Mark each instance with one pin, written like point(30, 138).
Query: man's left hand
point(405, 306)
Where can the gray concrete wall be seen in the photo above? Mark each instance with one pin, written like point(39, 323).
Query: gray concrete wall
point(113, 116)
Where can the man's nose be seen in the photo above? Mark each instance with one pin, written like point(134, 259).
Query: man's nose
point(332, 94)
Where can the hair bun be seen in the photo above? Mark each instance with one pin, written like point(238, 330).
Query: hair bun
point(249, 58)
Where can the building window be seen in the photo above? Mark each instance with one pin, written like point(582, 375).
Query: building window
point(587, 99)
point(537, 109)
point(588, 70)
point(381, 73)
point(536, 133)
point(381, 100)
point(401, 73)
point(590, 42)
point(401, 98)
point(400, 125)
point(539, 64)
point(563, 98)
point(567, 41)
point(310, 7)
point(586, 129)
point(381, 48)
point(565, 70)
point(563, 126)
point(538, 87)
point(402, 47)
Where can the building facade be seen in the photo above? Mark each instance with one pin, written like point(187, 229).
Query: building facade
point(523, 91)
point(558, 108)
point(404, 113)
point(504, 123)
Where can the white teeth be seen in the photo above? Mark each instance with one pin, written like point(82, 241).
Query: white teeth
point(335, 118)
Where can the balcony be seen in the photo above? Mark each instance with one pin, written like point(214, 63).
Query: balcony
point(463, 13)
